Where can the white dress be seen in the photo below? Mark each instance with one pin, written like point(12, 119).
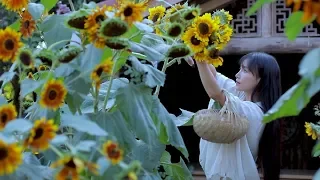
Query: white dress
point(234, 161)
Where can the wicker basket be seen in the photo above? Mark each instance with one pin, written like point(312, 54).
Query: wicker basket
point(220, 126)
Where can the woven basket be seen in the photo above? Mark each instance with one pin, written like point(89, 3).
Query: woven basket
point(220, 126)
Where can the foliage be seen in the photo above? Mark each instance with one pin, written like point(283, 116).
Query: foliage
point(78, 99)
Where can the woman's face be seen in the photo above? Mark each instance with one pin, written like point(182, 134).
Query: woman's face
point(245, 80)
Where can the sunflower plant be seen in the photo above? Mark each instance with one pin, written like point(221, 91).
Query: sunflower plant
point(78, 100)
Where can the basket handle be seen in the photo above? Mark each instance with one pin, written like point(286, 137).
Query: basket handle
point(228, 105)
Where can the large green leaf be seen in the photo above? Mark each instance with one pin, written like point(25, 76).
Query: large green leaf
point(49, 4)
point(173, 135)
point(29, 85)
point(257, 5)
point(35, 10)
point(116, 126)
point(296, 98)
point(151, 76)
point(17, 125)
point(177, 171)
point(6, 77)
point(316, 150)
point(54, 30)
point(15, 25)
point(148, 154)
point(151, 53)
point(294, 25)
point(135, 103)
point(185, 118)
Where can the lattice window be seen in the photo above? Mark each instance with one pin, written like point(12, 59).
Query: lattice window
point(280, 13)
point(244, 26)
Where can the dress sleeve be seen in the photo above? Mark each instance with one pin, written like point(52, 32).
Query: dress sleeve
point(235, 160)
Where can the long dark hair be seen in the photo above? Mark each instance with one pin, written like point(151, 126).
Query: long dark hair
point(268, 91)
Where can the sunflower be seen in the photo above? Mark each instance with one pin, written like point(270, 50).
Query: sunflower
point(132, 176)
point(9, 44)
point(28, 25)
point(92, 23)
point(310, 131)
point(205, 26)
point(189, 38)
point(200, 56)
point(178, 51)
point(112, 151)
point(25, 57)
point(95, 38)
point(212, 56)
point(297, 4)
point(42, 132)
point(131, 12)
point(7, 113)
point(227, 14)
point(310, 8)
point(156, 13)
point(15, 5)
point(104, 67)
point(171, 16)
point(53, 94)
point(10, 158)
point(71, 168)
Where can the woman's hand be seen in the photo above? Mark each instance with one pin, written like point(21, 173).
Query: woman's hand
point(190, 61)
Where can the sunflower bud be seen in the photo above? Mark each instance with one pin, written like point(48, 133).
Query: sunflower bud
point(212, 52)
point(25, 57)
point(46, 56)
point(113, 27)
point(67, 55)
point(117, 43)
point(77, 19)
point(191, 13)
point(175, 29)
point(178, 51)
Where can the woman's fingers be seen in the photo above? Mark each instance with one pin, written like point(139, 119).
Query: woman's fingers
point(190, 61)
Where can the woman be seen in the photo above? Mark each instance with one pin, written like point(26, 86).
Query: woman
point(256, 89)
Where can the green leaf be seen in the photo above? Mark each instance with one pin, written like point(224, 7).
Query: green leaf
point(52, 28)
point(85, 145)
point(78, 88)
point(151, 53)
point(83, 124)
point(317, 175)
point(36, 10)
point(178, 171)
point(148, 154)
point(135, 104)
point(20, 125)
point(133, 34)
point(29, 85)
point(3, 100)
point(316, 150)
point(16, 25)
point(155, 42)
point(143, 27)
point(153, 176)
point(6, 77)
point(49, 4)
point(151, 75)
point(103, 164)
point(59, 139)
point(115, 124)
point(257, 5)
point(310, 64)
point(185, 118)
point(294, 25)
point(173, 133)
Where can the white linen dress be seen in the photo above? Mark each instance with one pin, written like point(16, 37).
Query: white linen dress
point(235, 161)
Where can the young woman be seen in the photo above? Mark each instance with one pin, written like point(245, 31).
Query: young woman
point(256, 89)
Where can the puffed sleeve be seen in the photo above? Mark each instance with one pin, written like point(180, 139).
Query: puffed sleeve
point(235, 160)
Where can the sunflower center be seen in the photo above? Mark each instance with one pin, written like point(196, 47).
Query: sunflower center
point(99, 18)
point(195, 41)
point(213, 53)
point(189, 16)
point(52, 95)
point(71, 164)
point(25, 58)
point(9, 44)
point(4, 118)
point(203, 28)
point(39, 133)
point(175, 31)
point(128, 11)
point(155, 17)
point(3, 153)
point(113, 152)
point(99, 71)
point(26, 24)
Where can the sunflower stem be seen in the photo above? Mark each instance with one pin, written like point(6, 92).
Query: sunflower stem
point(20, 96)
point(62, 41)
point(164, 67)
point(71, 5)
point(96, 102)
point(54, 149)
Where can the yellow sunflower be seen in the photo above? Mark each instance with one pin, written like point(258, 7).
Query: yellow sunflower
point(15, 5)
point(41, 134)
point(132, 176)
point(170, 14)
point(310, 131)
point(71, 167)
point(25, 57)
point(200, 56)
point(10, 157)
point(131, 12)
point(43, 67)
point(227, 14)
point(95, 38)
point(53, 94)
point(7, 113)
point(189, 38)
point(92, 23)
point(104, 67)
point(212, 57)
point(112, 151)
point(9, 44)
point(156, 13)
point(205, 25)
point(28, 25)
